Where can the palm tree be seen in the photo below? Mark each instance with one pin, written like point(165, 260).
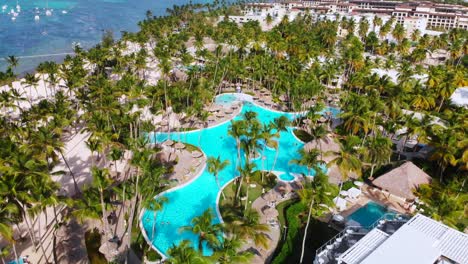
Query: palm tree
point(280, 124)
point(237, 129)
point(398, 32)
point(30, 80)
point(319, 133)
point(203, 227)
point(215, 165)
point(47, 141)
point(102, 182)
point(363, 28)
point(184, 254)
point(248, 227)
point(347, 158)
point(229, 252)
point(378, 151)
point(155, 205)
point(309, 159)
point(444, 153)
point(377, 21)
point(317, 192)
point(12, 62)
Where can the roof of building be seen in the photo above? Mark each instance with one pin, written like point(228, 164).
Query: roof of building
point(366, 245)
point(403, 180)
point(460, 97)
point(421, 240)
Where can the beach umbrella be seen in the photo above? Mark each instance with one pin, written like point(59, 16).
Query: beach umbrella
point(228, 112)
point(179, 145)
point(306, 121)
point(197, 154)
point(219, 115)
point(211, 118)
point(168, 143)
point(164, 123)
point(322, 119)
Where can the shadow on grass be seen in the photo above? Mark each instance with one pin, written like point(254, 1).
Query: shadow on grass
point(289, 247)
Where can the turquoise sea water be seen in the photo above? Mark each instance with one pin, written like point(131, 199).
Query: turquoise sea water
point(84, 23)
point(202, 193)
point(368, 214)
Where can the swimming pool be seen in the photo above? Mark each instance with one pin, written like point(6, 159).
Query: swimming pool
point(368, 214)
point(227, 99)
point(192, 199)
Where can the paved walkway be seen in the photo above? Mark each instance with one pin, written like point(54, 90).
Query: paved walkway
point(266, 207)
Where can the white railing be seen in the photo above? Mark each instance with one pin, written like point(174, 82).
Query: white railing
point(385, 217)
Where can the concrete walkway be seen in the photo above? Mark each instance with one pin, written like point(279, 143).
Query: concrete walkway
point(266, 207)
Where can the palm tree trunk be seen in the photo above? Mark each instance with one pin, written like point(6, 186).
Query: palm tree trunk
point(219, 186)
point(246, 200)
point(239, 187)
point(104, 214)
point(153, 228)
point(306, 228)
point(14, 250)
point(371, 177)
point(274, 161)
point(71, 172)
point(41, 244)
point(31, 235)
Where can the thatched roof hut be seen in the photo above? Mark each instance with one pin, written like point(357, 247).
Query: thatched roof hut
point(403, 180)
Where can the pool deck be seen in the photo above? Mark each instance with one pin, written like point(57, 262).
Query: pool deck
point(372, 194)
point(262, 205)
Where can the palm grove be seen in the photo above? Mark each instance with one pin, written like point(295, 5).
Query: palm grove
point(283, 60)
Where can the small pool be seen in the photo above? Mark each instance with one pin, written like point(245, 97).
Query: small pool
point(368, 214)
point(227, 99)
point(286, 177)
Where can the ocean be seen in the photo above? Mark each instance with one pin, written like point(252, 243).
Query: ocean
point(70, 22)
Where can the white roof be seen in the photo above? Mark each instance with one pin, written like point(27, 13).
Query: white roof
point(421, 240)
point(460, 97)
point(366, 245)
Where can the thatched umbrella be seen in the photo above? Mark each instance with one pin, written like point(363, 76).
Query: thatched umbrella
point(322, 119)
point(220, 115)
point(164, 123)
point(197, 154)
point(228, 112)
point(179, 145)
point(403, 180)
point(214, 108)
point(168, 143)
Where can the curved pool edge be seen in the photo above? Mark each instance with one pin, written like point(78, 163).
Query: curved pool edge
point(140, 217)
point(294, 135)
point(218, 212)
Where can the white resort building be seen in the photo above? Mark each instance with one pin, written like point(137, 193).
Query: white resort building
point(418, 240)
point(426, 17)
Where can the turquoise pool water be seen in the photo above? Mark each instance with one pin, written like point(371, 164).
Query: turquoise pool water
point(202, 193)
point(368, 214)
point(286, 177)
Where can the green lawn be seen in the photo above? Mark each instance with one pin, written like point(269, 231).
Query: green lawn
point(254, 192)
point(289, 250)
point(93, 242)
point(303, 135)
